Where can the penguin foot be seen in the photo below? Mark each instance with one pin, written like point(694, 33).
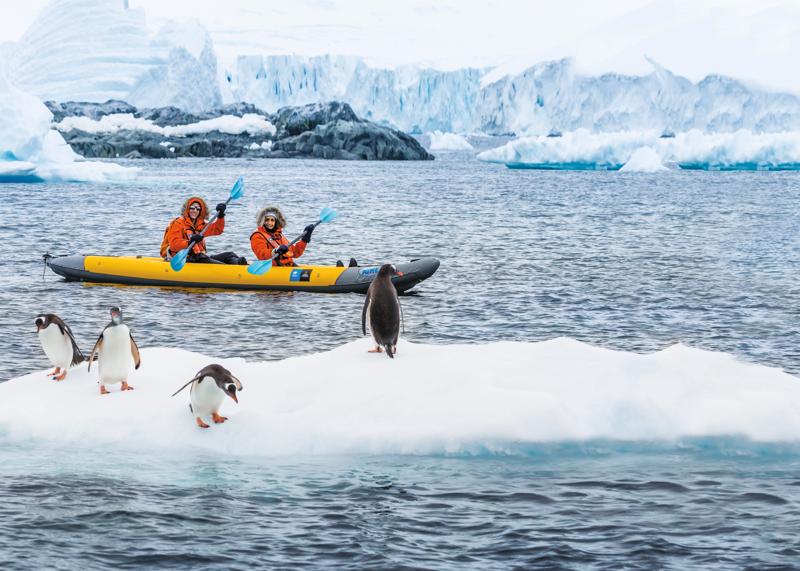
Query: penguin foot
point(375, 350)
point(103, 390)
point(200, 422)
point(126, 386)
point(217, 418)
point(61, 377)
point(54, 372)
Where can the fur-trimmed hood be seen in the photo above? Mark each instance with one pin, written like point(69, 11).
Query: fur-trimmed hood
point(279, 217)
point(198, 200)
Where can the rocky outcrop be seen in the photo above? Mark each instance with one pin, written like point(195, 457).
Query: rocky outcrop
point(325, 131)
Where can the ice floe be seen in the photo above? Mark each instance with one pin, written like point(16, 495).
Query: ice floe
point(583, 149)
point(431, 399)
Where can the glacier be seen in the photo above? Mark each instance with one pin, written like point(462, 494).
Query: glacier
point(694, 149)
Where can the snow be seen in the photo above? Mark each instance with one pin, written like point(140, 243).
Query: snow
point(30, 151)
point(431, 399)
point(448, 142)
point(644, 159)
point(248, 123)
point(742, 149)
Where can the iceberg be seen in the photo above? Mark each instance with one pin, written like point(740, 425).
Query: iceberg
point(644, 159)
point(95, 50)
point(31, 152)
point(582, 149)
point(499, 398)
point(448, 142)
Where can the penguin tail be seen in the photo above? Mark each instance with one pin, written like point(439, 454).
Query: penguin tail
point(389, 350)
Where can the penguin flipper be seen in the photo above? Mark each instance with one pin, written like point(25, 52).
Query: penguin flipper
point(364, 313)
point(402, 317)
point(137, 359)
point(77, 354)
point(197, 378)
point(97, 346)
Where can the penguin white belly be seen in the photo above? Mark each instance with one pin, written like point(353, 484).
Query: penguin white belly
point(57, 347)
point(206, 397)
point(115, 356)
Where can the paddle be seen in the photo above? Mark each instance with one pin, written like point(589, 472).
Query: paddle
point(179, 260)
point(261, 267)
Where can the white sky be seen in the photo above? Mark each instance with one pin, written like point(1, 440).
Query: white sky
point(755, 40)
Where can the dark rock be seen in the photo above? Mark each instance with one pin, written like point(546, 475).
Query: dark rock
point(326, 131)
point(295, 120)
point(88, 109)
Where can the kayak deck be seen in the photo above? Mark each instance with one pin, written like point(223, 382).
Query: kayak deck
point(147, 271)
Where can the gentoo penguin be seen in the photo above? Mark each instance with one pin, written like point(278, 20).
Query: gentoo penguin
point(116, 349)
point(382, 310)
point(209, 387)
point(58, 344)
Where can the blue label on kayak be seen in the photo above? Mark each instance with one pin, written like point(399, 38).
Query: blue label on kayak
point(368, 271)
point(300, 275)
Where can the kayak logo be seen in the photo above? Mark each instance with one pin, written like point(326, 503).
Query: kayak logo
point(300, 275)
point(368, 272)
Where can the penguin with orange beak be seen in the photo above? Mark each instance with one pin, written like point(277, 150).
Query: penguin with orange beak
point(210, 386)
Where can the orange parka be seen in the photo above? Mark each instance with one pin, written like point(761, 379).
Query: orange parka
point(263, 242)
point(176, 236)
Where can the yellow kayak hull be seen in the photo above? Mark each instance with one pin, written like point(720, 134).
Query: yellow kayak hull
point(139, 270)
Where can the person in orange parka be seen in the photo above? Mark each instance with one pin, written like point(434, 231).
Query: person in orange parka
point(185, 230)
point(268, 239)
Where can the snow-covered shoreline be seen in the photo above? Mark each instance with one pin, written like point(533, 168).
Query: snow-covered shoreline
point(432, 399)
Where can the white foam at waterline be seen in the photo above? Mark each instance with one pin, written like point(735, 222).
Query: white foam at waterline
point(448, 142)
point(251, 123)
point(430, 399)
point(644, 159)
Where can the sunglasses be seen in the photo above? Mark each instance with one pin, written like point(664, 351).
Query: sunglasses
point(194, 208)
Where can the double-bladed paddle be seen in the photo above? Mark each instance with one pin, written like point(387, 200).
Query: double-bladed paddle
point(261, 267)
point(179, 260)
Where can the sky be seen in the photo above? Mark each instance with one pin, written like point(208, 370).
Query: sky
point(757, 41)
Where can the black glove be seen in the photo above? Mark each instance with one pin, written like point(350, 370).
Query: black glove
point(280, 250)
point(221, 210)
point(307, 233)
point(195, 238)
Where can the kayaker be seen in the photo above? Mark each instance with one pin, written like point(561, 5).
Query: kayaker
point(268, 239)
point(185, 230)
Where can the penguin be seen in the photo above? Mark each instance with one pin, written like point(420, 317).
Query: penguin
point(58, 344)
point(382, 310)
point(209, 387)
point(116, 349)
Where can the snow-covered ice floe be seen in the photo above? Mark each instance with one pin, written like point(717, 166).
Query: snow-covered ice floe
point(649, 150)
point(448, 142)
point(432, 399)
point(31, 152)
point(250, 123)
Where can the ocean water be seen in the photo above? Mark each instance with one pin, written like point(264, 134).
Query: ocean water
point(634, 262)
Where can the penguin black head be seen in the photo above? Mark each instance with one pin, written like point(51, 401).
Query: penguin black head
point(116, 315)
point(40, 322)
point(389, 270)
point(225, 380)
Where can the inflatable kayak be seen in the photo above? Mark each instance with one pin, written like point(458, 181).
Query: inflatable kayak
point(143, 271)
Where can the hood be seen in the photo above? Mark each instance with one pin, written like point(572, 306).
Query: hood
point(201, 202)
point(278, 214)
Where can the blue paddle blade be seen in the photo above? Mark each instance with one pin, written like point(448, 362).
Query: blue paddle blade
point(238, 189)
point(259, 268)
point(179, 260)
point(328, 215)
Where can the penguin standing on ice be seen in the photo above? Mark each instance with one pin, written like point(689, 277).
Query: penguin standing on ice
point(58, 344)
point(116, 349)
point(209, 387)
point(382, 310)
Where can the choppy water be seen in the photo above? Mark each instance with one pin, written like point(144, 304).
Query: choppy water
point(633, 262)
